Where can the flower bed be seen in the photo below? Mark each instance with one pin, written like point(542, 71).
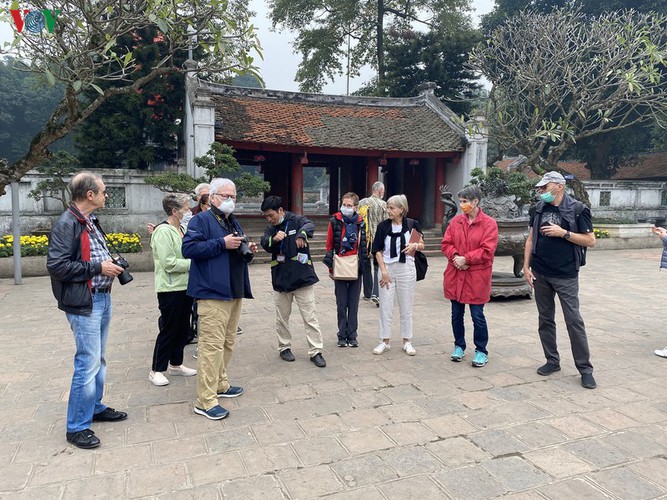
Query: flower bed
point(38, 245)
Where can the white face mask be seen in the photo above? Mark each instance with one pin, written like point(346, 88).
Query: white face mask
point(227, 206)
point(347, 211)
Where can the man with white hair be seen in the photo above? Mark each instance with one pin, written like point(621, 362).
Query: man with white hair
point(218, 281)
point(200, 191)
point(377, 212)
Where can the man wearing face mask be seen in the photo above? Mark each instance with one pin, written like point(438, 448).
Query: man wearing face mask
point(292, 275)
point(218, 281)
point(561, 228)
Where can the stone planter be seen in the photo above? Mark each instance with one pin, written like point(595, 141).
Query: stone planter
point(626, 230)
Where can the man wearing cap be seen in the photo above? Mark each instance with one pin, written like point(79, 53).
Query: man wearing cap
point(561, 228)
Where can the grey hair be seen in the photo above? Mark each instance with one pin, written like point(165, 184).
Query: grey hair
point(219, 182)
point(471, 192)
point(400, 201)
point(201, 187)
point(81, 183)
point(173, 201)
point(377, 186)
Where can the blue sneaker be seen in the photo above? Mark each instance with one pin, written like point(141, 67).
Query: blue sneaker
point(232, 392)
point(215, 413)
point(480, 359)
point(458, 354)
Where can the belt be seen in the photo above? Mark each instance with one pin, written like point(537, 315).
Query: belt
point(101, 290)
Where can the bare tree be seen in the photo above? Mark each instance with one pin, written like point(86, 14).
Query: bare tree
point(562, 77)
point(79, 47)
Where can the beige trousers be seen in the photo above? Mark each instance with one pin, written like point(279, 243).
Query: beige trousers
point(218, 320)
point(305, 301)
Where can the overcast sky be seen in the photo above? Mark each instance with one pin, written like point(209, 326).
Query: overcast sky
point(280, 63)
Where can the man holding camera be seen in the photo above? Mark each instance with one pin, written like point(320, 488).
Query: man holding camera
point(82, 271)
point(219, 280)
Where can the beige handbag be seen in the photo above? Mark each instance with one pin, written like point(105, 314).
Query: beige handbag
point(346, 267)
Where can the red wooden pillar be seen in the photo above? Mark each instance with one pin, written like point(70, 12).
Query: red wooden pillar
point(371, 175)
point(439, 209)
point(297, 185)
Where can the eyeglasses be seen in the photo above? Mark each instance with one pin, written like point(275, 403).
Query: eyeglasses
point(225, 196)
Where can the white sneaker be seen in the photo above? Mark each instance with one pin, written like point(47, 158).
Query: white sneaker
point(381, 348)
point(662, 353)
point(182, 371)
point(409, 350)
point(157, 378)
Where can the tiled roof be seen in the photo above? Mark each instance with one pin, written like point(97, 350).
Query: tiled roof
point(648, 166)
point(420, 124)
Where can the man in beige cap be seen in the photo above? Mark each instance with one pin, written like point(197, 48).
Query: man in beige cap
point(561, 229)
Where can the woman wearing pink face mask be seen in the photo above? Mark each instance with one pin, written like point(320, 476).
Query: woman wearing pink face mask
point(469, 244)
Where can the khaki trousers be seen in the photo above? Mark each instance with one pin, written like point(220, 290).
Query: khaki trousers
point(305, 301)
point(218, 320)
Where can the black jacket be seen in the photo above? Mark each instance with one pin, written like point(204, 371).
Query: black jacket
point(292, 274)
point(70, 274)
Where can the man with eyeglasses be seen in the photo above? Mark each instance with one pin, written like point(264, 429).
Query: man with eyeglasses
point(218, 281)
point(561, 229)
point(82, 272)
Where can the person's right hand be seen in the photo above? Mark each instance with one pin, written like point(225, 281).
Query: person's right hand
point(660, 231)
point(279, 236)
point(110, 269)
point(150, 227)
point(385, 281)
point(528, 276)
point(233, 242)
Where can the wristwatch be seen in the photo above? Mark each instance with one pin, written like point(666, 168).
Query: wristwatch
point(567, 235)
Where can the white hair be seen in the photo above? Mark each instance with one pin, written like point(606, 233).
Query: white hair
point(377, 186)
point(219, 183)
point(200, 188)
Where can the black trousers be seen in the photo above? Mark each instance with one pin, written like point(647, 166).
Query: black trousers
point(347, 304)
point(175, 309)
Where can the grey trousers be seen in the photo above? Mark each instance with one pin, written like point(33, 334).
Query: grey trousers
point(568, 294)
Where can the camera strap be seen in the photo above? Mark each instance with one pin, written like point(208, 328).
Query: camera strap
point(105, 238)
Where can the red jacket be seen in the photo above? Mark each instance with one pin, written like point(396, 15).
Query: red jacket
point(477, 242)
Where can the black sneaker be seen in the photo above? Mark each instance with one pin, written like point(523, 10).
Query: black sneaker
point(353, 343)
point(548, 369)
point(287, 355)
point(85, 439)
point(588, 381)
point(109, 415)
point(319, 360)
point(342, 343)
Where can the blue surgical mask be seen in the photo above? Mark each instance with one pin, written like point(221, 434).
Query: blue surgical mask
point(347, 211)
point(547, 197)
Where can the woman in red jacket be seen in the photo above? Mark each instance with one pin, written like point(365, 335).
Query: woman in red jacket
point(469, 244)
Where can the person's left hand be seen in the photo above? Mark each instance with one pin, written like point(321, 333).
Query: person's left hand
point(301, 243)
point(253, 247)
point(459, 262)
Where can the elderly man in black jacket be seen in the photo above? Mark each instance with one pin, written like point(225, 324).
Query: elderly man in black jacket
point(82, 272)
point(292, 276)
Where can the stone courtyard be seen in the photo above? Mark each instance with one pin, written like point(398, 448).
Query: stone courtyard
point(365, 427)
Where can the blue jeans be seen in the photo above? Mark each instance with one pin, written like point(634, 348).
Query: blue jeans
point(90, 365)
point(480, 330)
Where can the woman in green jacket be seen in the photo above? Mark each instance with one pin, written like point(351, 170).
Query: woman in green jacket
point(171, 281)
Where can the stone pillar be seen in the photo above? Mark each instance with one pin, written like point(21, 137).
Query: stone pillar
point(203, 118)
point(296, 185)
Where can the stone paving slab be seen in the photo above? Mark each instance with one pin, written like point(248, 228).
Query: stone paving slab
point(365, 427)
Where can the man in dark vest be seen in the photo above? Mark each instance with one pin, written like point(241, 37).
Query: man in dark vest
point(561, 229)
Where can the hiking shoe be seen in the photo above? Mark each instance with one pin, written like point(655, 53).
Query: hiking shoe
point(157, 378)
point(342, 343)
point(232, 392)
point(181, 370)
point(548, 369)
point(480, 359)
point(458, 354)
point(287, 355)
point(381, 348)
point(239, 330)
point(409, 350)
point(588, 381)
point(353, 343)
point(375, 300)
point(215, 413)
point(661, 352)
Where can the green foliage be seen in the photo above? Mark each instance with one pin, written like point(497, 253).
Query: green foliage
point(220, 162)
point(172, 182)
point(57, 167)
point(498, 182)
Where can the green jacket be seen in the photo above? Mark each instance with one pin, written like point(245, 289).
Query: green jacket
point(171, 269)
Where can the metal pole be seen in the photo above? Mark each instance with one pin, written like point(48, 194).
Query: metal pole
point(16, 233)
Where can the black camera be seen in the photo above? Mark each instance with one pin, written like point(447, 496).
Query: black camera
point(243, 249)
point(125, 277)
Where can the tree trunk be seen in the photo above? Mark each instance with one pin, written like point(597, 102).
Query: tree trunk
point(382, 91)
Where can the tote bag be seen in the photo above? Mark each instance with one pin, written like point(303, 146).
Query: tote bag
point(346, 267)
